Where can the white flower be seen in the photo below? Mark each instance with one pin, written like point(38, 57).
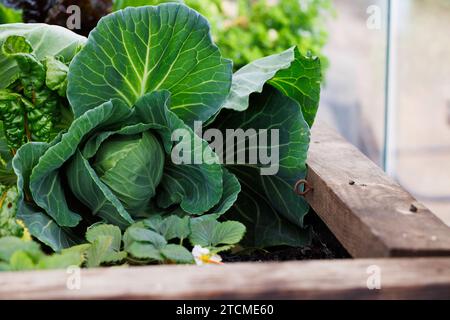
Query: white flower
point(204, 256)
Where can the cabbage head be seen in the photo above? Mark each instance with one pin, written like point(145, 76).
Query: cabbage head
point(114, 164)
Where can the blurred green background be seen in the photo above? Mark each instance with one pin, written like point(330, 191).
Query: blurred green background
point(244, 30)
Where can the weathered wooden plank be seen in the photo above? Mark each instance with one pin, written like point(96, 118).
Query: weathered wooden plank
point(370, 214)
point(414, 278)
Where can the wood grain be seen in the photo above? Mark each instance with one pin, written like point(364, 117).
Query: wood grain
point(368, 212)
point(413, 278)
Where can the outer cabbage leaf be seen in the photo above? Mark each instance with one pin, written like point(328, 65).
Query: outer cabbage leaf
point(257, 210)
point(267, 204)
point(139, 50)
point(37, 221)
point(295, 75)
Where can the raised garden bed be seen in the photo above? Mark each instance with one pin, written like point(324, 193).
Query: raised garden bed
point(371, 218)
point(119, 151)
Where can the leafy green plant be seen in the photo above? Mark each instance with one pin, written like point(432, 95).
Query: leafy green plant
point(9, 226)
point(103, 246)
point(17, 255)
point(9, 15)
point(143, 74)
point(144, 242)
point(45, 40)
point(246, 30)
point(32, 99)
point(161, 239)
point(147, 245)
point(33, 103)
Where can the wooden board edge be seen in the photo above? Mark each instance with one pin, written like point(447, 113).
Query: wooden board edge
point(417, 278)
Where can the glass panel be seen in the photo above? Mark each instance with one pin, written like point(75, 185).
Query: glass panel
point(421, 98)
point(353, 96)
point(417, 96)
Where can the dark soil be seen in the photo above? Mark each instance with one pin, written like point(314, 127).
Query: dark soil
point(324, 245)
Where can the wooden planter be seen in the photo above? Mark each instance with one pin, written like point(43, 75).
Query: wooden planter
point(382, 226)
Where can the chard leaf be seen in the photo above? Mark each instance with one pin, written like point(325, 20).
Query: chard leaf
point(12, 117)
point(16, 45)
point(139, 50)
point(31, 111)
point(7, 175)
point(295, 75)
point(46, 40)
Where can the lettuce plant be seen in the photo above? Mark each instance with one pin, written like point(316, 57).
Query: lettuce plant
point(143, 74)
